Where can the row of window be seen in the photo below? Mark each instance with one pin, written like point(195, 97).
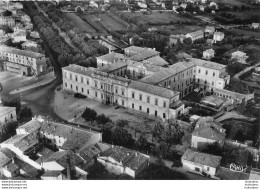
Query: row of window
point(206, 72)
point(148, 110)
point(148, 99)
point(205, 82)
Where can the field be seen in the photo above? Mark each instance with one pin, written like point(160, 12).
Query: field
point(157, 17)
point(246, 32)
point(108, 22)
point(173, 30)
point(81, 24)
point(232, 2)
point(246, 14)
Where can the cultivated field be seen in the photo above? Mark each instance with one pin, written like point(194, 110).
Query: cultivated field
point(246, 14)
point(81, 24)
point(173, 30)
point(109, 22)
point(232, 2)
point(246, 32)
point(157, 17)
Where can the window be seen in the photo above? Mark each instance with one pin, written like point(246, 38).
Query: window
point(213, 74)
point(206, 72)
point(70, 76)
point(96, 94)
point(102, 97)
point(156, 102)
point(101, 86)
point(76, 78)
point(82, 90)
point(76, 88)
point(116, 90)
point(123, 92)
point(155, 113)
point(87, 81)
point(116, 101)
point(164, 115)
point(148, 110)
point(71, 86)
point(205, 81)
point(148, 99)
point(140, 108)
point(212, 83)
point(95, 83)
point(164, 104)
point(133, 95)
point(81, 79)
point(198, 80)
point(123, 102)
point(66, 85)
point(88, 91)
point(197, 169)
point(133, 105)
point(199, 71)
point(207, 168)
point(140, 97)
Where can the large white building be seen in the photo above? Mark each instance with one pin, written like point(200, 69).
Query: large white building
point(22, 61)
point(7, 20)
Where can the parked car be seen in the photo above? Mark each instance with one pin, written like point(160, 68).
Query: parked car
point(78, 95)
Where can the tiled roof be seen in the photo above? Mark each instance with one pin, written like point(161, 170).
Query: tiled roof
point(196, 33)
point(51, 174)
point(140, 53)
point(90, 152)
point(60, 157)
point(12, 167)
point(238, 53)
point(114, 66)
point(201, 158)
point(152, 89)
point(207, 64)
point(31, 126)
point(209, 51)
point(147, 66)
point(209, 133)
point(27, 168)
point(75, 137)
point(10, 154)
point(211, 28)
point(79, 69)
point(127, 157)
point(3, 159)
point(111, 57)
point(20, 52)
point(167, 73)
point(158, 61)
point(4, 110)
point(45, 153)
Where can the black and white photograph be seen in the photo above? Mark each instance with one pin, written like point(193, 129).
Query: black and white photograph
point(130, 90)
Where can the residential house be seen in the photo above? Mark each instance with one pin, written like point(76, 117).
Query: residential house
point(29, 43)
point(23, 62)
point(142, 4)
point(174, 39)
point(7, 114)
point(2, 32)
point(202, 163)
point(7, 167)
point(183, 5)
point(210, 74)
point(7, 20)
point(195, 35)
point(208, 54)
point(213, 4)
point(35, 34)
point(239, 56)
point(109, 59)
point(218, 36)
point(120, 160)
point(207, 132)
point(255, 25)
point(202, 8)
point(210, 30)
point(18, 36)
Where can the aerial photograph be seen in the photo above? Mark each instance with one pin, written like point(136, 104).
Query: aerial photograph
point(130, 90)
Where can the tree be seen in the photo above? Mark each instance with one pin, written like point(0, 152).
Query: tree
point(157, 130)
point(213, 149)
point(142, 143)
point(122, 137)
point(187, 41)
point(89, 114)
point(26, 114)
point(8, 130)
point(162, 150)
point(122, 123)
point(7, 13)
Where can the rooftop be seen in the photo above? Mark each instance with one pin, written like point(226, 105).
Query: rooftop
point(196, 33)
point(127, 157)
point(4, 110)
point(157, 61)
point(167, 73)
point(51, 174)
point(79, 69)
point(140, 53)
point(75, 137)
point(27, 168)
point(3, 159)
point(12, 167)
point(159, 91)
point(45, 153)
point(60, 157)
point(146, 66)
point(209, 133)
point(238, 53)
point(31, 126)
point(111, 57)
point(201, 158)
point(214, 100)
point(115, 66)
point(20, 52)
point(207, 64)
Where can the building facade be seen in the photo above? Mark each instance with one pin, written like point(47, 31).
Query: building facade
point(22, 61)
point(7, 114)
point(7, 20)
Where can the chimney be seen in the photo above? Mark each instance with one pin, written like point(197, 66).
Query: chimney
point(68, 168)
